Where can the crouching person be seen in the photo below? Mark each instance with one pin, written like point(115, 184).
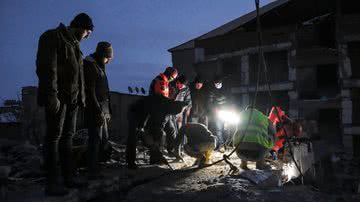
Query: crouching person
point(200, 142)
point(255, 138)
point(97, 111)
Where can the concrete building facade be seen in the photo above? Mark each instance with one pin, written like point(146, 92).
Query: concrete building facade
point(311, 50)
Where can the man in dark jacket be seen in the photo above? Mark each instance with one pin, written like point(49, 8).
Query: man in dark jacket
point(140, 126)
point(97, 111)
point(216, 102)
point(198, 102)
point(200, 142)
point(61, 90)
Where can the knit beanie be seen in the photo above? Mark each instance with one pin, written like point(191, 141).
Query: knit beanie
point(83, 21)
point(104, 49)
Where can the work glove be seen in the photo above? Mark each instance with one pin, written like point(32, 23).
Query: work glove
point(273, 155)
point(53, 104)
point(100, 119)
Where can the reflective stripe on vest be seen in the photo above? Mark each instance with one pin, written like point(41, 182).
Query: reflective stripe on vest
point(257, 131)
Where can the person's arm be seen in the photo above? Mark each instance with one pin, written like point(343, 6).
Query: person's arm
point(46, 62)
point(46, 69)
point(90, 86)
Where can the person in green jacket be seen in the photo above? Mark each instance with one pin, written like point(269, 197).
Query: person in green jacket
point(255, 137)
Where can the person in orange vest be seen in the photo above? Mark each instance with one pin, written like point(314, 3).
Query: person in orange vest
point(160, 123)
point(292, 129)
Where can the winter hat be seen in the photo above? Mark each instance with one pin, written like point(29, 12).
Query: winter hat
point(198, 79)
point(182, 79)
point(104, 49)
point(82, 20)
point(218, 79)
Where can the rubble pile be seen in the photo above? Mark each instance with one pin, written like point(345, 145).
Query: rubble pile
point(23, 160)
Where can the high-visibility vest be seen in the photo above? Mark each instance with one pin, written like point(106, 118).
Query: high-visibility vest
point(160, 86)
point(257, 130)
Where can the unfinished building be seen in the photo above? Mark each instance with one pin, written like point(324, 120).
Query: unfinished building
point(312, 50)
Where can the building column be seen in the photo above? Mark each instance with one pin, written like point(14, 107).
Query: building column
point(245, 78)
point(199, 55)
point(293, 95)
point(344, 70)
point(346, 119)
point(344, 63)
point(293, 104)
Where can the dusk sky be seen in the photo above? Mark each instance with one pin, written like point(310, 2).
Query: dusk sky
point(141, 32)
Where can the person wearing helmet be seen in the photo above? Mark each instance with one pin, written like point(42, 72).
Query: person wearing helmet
point(59, 67)
point(162, 106)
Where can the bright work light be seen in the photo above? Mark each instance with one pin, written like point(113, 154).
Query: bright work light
point(228, 116)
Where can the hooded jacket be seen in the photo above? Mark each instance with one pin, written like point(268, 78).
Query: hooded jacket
point(59, 67)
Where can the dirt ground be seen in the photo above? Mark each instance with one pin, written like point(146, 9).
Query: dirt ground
point(187, 183)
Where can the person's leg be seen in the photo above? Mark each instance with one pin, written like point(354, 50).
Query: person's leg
point(54, 127)
point(219, 128)
point(260, 163)
point(65, 142)
point(170, 130)
point(243, 165)
point(131, 148)
point(105, 146)
point(94, 133)
point(156, 130)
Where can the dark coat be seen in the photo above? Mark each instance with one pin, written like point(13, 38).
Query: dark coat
point(59, 67)
point(215, 97)
point(196, 134)
point(96, 86)
point(198, 101)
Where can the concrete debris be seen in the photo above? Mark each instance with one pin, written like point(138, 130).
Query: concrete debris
point(8, 117)
point(25, 160)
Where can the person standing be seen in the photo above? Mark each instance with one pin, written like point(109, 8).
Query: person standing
point(181, 92)
point(216, 101)
point(160, 123)
point(59, 67)
point(97, 111)
point(198, 101)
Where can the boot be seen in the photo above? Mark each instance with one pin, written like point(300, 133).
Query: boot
point(243, 165)
point(156, 157)
point(205, 159)
point(261, 165)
